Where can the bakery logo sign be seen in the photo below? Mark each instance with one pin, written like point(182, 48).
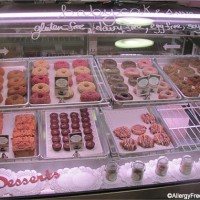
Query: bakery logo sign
point(4, 182)
point(103, 20)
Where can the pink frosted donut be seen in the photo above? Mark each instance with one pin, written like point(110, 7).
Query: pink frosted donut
point(132, 72)
point(84, 77)
point(80, 62)
point(144, 63)
point(61, 64)
point(40, 98)
point(163, 86)
point(167, 94)
point(40, 79)
point(149, 70)
point(90, 95)
point(70, 82)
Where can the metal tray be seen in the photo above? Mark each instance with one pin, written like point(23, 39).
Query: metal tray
point(8, 130)
point(136, 99)
point(161, 61)
point(9, 65)
point(128, 117)
point(101, 146)
point(75, 100)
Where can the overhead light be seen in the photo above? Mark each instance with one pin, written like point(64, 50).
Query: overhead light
point(134, 43)
point(134, 21)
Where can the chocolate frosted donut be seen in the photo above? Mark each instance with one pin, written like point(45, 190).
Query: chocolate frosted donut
point(109, 72)
point(88, 137)
point(54, 120)
point(86, 124)
point(64, 120)
point(123, 96)
point(52, 115)
point(119, 87)
point(64, 126)
point(55, 139)
point(75, 120)
point(66, 146)
point(56, 146)
point(128, 64)
point(132, 81)
point(63, 115)
point(85, 114)
point(83, 110)
point(145, 141)
point(115, 79)
point(89, 144)
point(73, 114)
point(109, 63)
point(65, 132)
point(85, 119)
point(87, 131)
point(75, 125)
point(65, 139)
point(54, 126)
point(55, 132)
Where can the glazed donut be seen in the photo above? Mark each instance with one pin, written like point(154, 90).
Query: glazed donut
point(194, 80)
point(163, 86)
point(61, 64)
point(109, 63)
point(21, 90)
point(161, 139)
point(138, 129)
point(40, 98)
point(41, 88)
point(132, 73)
point(167, 94)
point(149, 70)
point(15, 73)
point(144, 63)
point(41, 63)
point(195, 62)
point(1, 79)
point(123, 96)
point(168, 69)
point(185, 72)
point(182, 84)
point(39, 71)
point(81, 70)
point(17, 81)
point(70, 93)
point(63, 72)
point(2, 71)
point(115, 79)
point(14, 99)
point(90, 95)
point(119, 87)
point(128, 64)
point(182, 62)
point(190, 92)
point(156, 128)
point(1, 86)
point(128, 144)
point(113, 71)
point(132, 81)
point(122, 132)
point(80, 62)
point(84, 77)
point(40, 79)
point(148, 118)
point(85, 85)
point(1, 98)
point(145, 141)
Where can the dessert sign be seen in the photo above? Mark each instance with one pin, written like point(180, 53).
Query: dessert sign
point(76, 141)
point(61, 87)
point(4, 143)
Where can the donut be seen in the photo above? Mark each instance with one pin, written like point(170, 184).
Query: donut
point(163, 86)
point(80, 62)
point(90, 95)
point(39, 71)
point(138, 129)
point(41, 63)
point(14, 99)
point(132, 81)
point(89, 144)
point(74, 114)
point(162, 139)
point(113, 71)
point(70, 81)
point(1, 86)
point(119, 87)
point(85, 85)
point(144, 63)
point(149, 70)
point(1, 79)
point(194, 80)
point(181, 84)
point(185, 72)
point(145, 141)
point(84, 77)
point(70, 93)
point(15, 73)
point(132, 73)
point(148, 118)
point(156, 128)
point(63, 72)
point(122, 132)
point(40, 79)
point(61, 64)
point(182, 62)
point(123, 96)
point(17, 81)
point(1, 98)
point(170, 68)
point(115, 79)
point(40, 87)
point(21, 90)
point(128, 144)
point(40, 98)
point(195, 62)
point(109, 63)
point(128, 64)
point(167, 94)
point(56, 146)
point(2, 71)
point(190, 92)
point(81, 70)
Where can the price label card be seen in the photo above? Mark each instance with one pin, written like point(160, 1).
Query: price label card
point(142, 86)
point(154, 81)
point(76, 141)
point(61, 87)
point(4, 143)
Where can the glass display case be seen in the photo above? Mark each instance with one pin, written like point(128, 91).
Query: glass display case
point(99, 99)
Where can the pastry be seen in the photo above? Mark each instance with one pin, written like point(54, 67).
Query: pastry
point(122, 132)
